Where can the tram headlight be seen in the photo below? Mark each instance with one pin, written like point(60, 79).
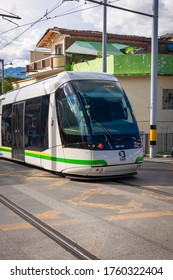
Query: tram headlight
point(100, 146)
point(96, 146)
point(137, 144)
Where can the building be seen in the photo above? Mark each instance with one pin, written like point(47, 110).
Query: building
point(62, 49)
point(52, 56)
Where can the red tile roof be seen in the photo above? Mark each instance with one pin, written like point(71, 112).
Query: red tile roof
point(95, 34)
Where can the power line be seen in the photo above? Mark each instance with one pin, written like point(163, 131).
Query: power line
point(45, 15)
point(17, 17)
point(10, 21)
point(4, 15)
point(68, 12)
point(77, 11)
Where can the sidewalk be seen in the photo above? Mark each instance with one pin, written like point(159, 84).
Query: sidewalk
point(162, 159)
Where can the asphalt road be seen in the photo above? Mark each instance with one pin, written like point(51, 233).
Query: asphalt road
point(127, 218)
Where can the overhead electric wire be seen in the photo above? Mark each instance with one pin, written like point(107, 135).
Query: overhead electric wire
point(7, 12)
point(68, 12)
point(56, 6)
point(45, 15)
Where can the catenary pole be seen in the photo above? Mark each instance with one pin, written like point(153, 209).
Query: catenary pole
point(154, 82)
point(2, 60)
point(104, 38)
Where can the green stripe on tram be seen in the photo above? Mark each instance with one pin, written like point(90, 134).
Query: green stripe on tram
point(5, 149)
point(139, 160)
point(65, 160)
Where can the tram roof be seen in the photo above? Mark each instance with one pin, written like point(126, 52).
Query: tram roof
point(50, 85)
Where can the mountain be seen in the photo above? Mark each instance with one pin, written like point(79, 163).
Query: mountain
point(17, 72)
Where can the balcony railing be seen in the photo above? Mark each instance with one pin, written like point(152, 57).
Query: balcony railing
point(50, 63)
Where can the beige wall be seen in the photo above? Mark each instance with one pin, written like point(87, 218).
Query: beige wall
point(38, 55)
point(165, 117)
point(138, 92)
point(58, 40)
point(22, 83)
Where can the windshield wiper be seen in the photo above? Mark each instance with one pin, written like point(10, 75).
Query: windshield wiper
point(111, 139)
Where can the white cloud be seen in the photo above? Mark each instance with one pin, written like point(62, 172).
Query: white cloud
point(122, 22)
point(119, 22)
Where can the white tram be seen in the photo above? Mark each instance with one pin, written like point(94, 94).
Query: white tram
point(75, 123)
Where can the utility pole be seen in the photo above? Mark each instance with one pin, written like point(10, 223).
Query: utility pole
point(2, 87)
point(104, 38)
point(154, 82)
point(2, 60)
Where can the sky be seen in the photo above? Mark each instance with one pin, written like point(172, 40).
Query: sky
point(19, 36)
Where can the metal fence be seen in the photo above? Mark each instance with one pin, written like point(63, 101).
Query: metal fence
point(164, 143)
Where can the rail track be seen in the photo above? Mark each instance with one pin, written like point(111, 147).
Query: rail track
point(122, 182)
point(72, 247)
point(159, 242)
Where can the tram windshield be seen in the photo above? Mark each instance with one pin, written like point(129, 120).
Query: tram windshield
point(97, 112)
point(110, 113)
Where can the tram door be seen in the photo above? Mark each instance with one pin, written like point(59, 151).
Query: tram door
point(18, 131)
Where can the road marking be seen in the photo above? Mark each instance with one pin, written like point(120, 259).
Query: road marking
point(132, 206)
point(9, 227)
point(18, 226)
point(36, 177)
point(59, 182)
point(11, 173)
point(48, 215)
point(139, 216)
point(156, 196)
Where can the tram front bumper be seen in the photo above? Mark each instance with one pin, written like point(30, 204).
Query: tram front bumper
point(105, 163)
point(102, 171)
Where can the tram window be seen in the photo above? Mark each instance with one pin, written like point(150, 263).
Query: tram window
point(33, 124)
point(6, 125)
point(73, 128)
point(44, 122)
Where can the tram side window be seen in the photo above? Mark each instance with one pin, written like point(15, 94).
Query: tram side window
point(36, 123)
point(44, 121)
point(6, 125)
point(33, 124)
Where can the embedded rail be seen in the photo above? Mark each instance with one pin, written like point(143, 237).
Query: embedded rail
point(75, 249)
point(144, 188)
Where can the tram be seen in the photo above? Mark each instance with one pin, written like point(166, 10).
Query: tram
point(78, 124)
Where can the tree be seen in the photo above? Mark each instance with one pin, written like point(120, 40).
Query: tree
point(7, 84)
